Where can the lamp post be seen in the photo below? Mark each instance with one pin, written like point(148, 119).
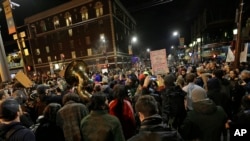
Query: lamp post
point(238, 39)
point(133, 40)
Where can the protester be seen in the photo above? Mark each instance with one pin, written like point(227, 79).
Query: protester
point(70, 115)
point(99, 125)
point(47, 129)
point(122, 109)
point(152, 127)
point(206, 121)
point(11, 128)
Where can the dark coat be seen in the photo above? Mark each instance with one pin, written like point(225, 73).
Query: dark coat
point(49, 131)
point(69, 118)
point(152, 129)
point(101, 126)
point(206, 122)
point(20, 134)
point(173, 105)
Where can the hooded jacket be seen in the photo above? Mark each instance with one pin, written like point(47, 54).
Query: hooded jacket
point(205, 123)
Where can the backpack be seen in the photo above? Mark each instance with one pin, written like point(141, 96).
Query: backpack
point(5, 136)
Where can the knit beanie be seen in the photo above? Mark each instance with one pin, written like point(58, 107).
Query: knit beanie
point(198, 94)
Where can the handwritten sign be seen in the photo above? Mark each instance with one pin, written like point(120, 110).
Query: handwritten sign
point(159, 61)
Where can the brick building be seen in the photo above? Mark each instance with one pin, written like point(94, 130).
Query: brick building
point(96, 31)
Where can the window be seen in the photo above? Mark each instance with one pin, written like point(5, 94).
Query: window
point(98, 9)
point(37, 51)
point(56, 22)
point(43, 26)
point(68, 20)
point(47, 49)
point(87, 39)
point(73, 54)
point(89, 50)
point(72, 44)
point(49, 59)
point(84, 13)
point(39, 61)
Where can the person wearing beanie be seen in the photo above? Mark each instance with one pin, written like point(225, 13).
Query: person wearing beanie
point(206, 121)
point(190, 78)
point(10, 125)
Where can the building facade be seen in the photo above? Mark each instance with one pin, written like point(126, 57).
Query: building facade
point(96, 31)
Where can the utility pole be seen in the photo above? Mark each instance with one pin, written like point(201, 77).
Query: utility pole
point(238, 39)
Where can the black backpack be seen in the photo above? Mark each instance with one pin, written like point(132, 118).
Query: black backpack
point(5, 135)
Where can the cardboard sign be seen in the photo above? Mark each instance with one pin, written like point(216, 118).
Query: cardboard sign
point(23, 79)
point(159, 61)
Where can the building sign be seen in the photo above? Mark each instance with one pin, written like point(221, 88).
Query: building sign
point(159, 61)
point(9, 17)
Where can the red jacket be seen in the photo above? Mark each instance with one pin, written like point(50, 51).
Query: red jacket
point(127, 119)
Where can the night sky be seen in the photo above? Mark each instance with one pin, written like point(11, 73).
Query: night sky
point(154, 24)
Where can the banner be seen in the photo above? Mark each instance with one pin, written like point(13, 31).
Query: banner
point(243, 54)
point(230, 55)
point(159, 61)
point(9, 17)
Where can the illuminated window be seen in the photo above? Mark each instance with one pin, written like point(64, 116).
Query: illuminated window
point(98, 9)
point(39, 61)
point(84, 13)
point(73, 54)
point(68, 19)
point(56, 22)
point(49, 59)
point(43, 26)
point(47, 49)
point(69, 22)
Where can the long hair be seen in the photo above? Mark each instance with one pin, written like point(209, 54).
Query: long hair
point(120, 93)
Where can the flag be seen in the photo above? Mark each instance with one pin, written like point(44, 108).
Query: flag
point(243, 54)
point(230, 55)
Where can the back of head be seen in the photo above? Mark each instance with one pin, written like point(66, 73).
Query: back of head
point(190, 77)
point(20, 96)
point(9, 109)
point(120, 91)
point(218, 73)
point(198, 94)
point(169, 80)
point(50, 111)
point(71, 97)
point(98, 102)
point(146, 105)
point(246, 102)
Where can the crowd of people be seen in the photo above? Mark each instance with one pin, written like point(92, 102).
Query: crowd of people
point(198, 102)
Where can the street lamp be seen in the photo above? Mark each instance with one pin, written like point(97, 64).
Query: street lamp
point(134, 39)
point(148, 49)
point(175, 33)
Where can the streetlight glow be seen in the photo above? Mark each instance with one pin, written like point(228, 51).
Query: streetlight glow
point(172, 47)
point(148, 49)
point(235, 31)
point(134, 39)
point(175, 33)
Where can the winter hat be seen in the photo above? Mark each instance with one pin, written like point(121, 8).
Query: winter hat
point(9, 109)
point(198, 94)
